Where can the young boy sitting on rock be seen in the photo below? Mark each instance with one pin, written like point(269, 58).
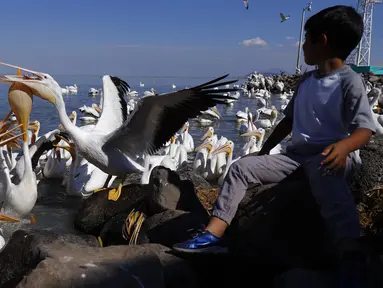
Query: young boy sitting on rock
point(330, 119)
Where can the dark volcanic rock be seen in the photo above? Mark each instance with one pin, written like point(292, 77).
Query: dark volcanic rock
point(303, 278)
point(48, 260)
point(186, 172)
point(166, 191)
point(84, 266)
point(279, 224)
point(367, 188)
point(170, 227)
point(26, 249)
point(111, 232)
point(164, 195)
point(290, 82)
point(97, 209)
point(177, 271)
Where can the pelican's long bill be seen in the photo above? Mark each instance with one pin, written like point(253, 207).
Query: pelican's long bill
point(224, 148)
point(209, 133)
point(9, 137)
point(204, 145)
point(97, 108)
point(10, 219)
point(73, 115)
point(20, 100)
point(253, 133)
point(34, 125)
point(215, 110)
point(35, 81)
point(70, 148)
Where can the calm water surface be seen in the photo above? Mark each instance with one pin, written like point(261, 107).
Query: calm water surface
point(54, 211)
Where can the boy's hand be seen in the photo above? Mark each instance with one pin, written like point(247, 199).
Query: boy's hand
point(336, 156)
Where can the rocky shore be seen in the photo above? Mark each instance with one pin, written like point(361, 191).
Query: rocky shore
point(290, 81)
point(277, 238)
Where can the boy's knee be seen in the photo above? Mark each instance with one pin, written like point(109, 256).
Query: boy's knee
point(236, 167)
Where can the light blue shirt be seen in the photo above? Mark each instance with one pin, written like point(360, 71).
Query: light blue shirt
point(326, 109)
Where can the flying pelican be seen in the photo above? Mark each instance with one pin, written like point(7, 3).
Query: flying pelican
point(115, 141)
point(283, 17)
point(246, 3)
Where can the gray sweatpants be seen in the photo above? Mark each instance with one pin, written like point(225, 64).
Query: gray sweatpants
point(331, 192)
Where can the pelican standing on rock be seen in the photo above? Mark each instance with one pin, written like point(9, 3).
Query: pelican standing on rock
point(116, 140)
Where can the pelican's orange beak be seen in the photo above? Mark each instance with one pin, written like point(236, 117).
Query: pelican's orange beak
point(36, 82)
point(208, 133)
point(208, 146)
point(224, 148)
point(20, 100)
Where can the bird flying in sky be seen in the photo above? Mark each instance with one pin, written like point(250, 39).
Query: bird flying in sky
point(246, 3)
point(283, 17)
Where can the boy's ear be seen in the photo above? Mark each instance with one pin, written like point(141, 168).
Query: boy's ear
point(323, 39)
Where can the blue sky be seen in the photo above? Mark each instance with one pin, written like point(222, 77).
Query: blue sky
point(158, 37)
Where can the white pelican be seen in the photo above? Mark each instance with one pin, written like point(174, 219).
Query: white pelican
point(174, 86)
point(152, 92)
point(378, 119)
point(93, 91)
point(65, 90)
point(20, 199)
point(260, 134)
point(250, 146)
point(91, 113)
point(266, 123)
point(200, 159)
point(142, 84)
point(279, 85)
point(133, 93)
point(153, 161)
point(186, 138)
point(228, 148)
point(116, 140)
point(206, 166)
point(73, 89)
point(33, 131)
point(249, 126)
point(209, 116)
point(242, 115)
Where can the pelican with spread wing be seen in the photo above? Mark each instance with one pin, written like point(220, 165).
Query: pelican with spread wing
point(116, 140)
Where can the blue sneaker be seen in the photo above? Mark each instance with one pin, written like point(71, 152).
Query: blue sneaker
point(202, 242)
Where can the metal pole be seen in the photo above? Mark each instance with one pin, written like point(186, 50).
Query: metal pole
point(358, 57)
point(298, 70)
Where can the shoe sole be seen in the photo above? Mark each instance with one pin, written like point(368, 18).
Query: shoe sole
point(207, 250)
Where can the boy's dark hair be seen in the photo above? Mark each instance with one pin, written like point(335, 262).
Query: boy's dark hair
point(342, 25)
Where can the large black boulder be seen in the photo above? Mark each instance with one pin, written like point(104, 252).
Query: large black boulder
point(25, 250)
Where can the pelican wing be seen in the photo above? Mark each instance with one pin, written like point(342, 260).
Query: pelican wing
point(282, 16)
point(157, 118)
point(114, 108)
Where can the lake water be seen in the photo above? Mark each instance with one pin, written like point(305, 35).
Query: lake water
point(46, 113)
point(55, 211)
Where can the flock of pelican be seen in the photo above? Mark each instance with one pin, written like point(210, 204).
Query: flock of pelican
point(120, 138)
point(123, 137)
point(120, 142)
